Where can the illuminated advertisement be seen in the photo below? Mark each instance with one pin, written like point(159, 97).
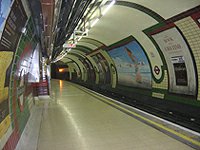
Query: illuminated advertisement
point(182, 77)
point(132, 65)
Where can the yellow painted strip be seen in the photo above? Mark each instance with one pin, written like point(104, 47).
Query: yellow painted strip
point(150, 121)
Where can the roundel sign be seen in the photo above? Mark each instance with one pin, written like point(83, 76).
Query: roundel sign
point(157, 70)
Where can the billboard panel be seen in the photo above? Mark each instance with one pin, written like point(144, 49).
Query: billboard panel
point(180, 65)
point(132, 65)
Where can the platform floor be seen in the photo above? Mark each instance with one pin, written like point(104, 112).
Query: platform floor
point(75, 120)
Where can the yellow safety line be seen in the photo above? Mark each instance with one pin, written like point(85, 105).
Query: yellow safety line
point(150, 121)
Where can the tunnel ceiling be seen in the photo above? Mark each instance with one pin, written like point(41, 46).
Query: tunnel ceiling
point(132, 17)
point(55, 22)
point(61, 22)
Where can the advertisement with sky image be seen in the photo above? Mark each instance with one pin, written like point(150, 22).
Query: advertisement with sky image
point(132, 65)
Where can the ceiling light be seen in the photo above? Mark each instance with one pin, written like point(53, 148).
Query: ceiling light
point(108, 7)
point(95, 21)
point(23, 30)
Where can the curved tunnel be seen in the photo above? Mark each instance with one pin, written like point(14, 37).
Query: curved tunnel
point(142, 53)
point(148, 55)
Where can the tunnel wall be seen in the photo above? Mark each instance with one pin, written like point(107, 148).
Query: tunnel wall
point(117, 77)
point(16, 51)
point(168, 84)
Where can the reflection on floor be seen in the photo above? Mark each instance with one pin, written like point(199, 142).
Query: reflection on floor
point(75, 120)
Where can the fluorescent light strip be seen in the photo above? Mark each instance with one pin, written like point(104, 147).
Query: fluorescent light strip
point(104, 12)
point(109, 6)
point(95, 21)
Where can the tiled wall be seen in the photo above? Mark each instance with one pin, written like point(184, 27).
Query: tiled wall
point(9, 39)
point(191, 31)
point(19, 85)
point(15, 58)
point(163, 84)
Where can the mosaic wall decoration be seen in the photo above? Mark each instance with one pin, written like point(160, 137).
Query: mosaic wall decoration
point(8, 43)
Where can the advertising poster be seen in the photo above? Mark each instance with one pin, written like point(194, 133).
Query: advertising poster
point(105, 67)
point(180, 65)
point(4, 11)
point(5, 66)
point(75, 70)
point(104, 72)
point(132, 65)
point(85, 68)
point(91, 74)
point(101, 70)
